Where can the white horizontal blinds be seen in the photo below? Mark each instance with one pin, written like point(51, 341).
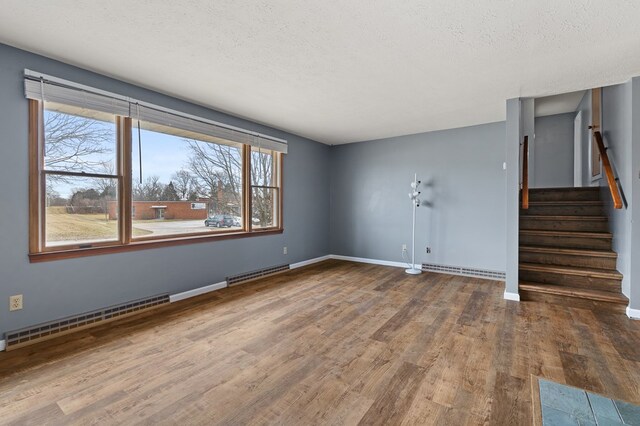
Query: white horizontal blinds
point(45, 91)
point(178, 121)
point(41, 87)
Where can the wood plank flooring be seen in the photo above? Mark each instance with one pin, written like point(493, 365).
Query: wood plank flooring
point(334, 343)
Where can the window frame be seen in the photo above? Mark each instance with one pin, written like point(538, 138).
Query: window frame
point(38, 252)
point(277, 170)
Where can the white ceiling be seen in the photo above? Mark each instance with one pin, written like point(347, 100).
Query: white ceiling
point(341, 71)
point(558, 104)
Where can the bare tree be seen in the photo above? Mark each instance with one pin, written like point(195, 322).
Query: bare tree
point(262, 198)
point(216, 169)
point(183, 183)
point(106, 188)
point(150, 190)
point(76, 144)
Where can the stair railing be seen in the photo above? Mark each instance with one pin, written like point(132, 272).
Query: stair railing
point(525, 173)
point(612, 181)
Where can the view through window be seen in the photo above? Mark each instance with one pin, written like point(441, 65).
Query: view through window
point(105, 179)
point(80, 176)
point(264, 189)
point(187, 184)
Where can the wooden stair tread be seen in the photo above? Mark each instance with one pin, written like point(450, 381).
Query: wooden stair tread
point(572, 252)
point(566, 188)
point(566, 203)
point(567, 258)
point(572, 234)
point(602, 296)
point(574, 218)
point(572, 270)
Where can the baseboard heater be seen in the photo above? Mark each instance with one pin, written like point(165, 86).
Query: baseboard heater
point(38, 333)
point(459, 270)
point(250, 276)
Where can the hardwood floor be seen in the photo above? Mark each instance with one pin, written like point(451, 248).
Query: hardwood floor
point(333, 343)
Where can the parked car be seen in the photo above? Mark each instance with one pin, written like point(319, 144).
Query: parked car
point(219, 221)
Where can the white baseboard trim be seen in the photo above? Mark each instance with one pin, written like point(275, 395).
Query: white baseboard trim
point(371, 261)
point(633, 313)
point(196, 291)
point(511, 296)
point(309, 262)
point(213, 287)
point(3, 345)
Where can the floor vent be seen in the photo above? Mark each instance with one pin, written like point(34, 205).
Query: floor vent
point(49, 330)
point(458, 270)
point(238, 279)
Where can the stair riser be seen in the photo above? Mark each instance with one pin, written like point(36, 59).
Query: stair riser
point(563, 210)
point(564, 225)
point(566, 242)
point(568, 260)
point(565, 280)
point(564, 195)
point(526, 295)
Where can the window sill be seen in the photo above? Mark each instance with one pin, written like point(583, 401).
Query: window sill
point(143, 245)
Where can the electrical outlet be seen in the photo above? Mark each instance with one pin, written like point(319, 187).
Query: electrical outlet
point(428, 250)
point(404, 247)
point(15, 302)
point(284, 250)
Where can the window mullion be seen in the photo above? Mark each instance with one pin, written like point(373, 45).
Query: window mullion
point(124, 195)
point(246, 186)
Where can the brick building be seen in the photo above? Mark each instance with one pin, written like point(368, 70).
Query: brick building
point(181, 210)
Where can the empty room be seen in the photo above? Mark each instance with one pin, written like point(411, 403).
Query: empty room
point(319, 213)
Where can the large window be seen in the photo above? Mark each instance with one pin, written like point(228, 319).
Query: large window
point(103, 182)
point(79, 176)
point(185, 183)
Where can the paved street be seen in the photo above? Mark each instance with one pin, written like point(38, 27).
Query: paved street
point(167, 227)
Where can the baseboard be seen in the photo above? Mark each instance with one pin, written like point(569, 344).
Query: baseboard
point(371, 261)
point(2, 345)
point(511, 296)
point(633, 313)
point(464, 271)
point(309, 262)
point(196, 291)
point(213, 287)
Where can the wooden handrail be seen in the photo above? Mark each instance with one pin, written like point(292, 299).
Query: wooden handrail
point(608, 171)
point(525, 173)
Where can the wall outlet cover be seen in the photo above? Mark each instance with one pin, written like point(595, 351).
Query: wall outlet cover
point(284, 250)
point(15, 302)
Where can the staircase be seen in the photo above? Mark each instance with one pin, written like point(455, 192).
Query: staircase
point(565, 250)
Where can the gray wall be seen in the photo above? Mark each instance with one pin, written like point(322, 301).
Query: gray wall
point(585, 107)
point(621, 132)
point(464, 186)
point(633, 195)
point(553, 151)
point(56, 289)
point(517, 125)
point(616, 126)
point(528, 125)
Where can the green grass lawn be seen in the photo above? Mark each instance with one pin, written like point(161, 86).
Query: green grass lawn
point(61, 226)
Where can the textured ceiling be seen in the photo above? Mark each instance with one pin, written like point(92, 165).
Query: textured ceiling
point(341, 71)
